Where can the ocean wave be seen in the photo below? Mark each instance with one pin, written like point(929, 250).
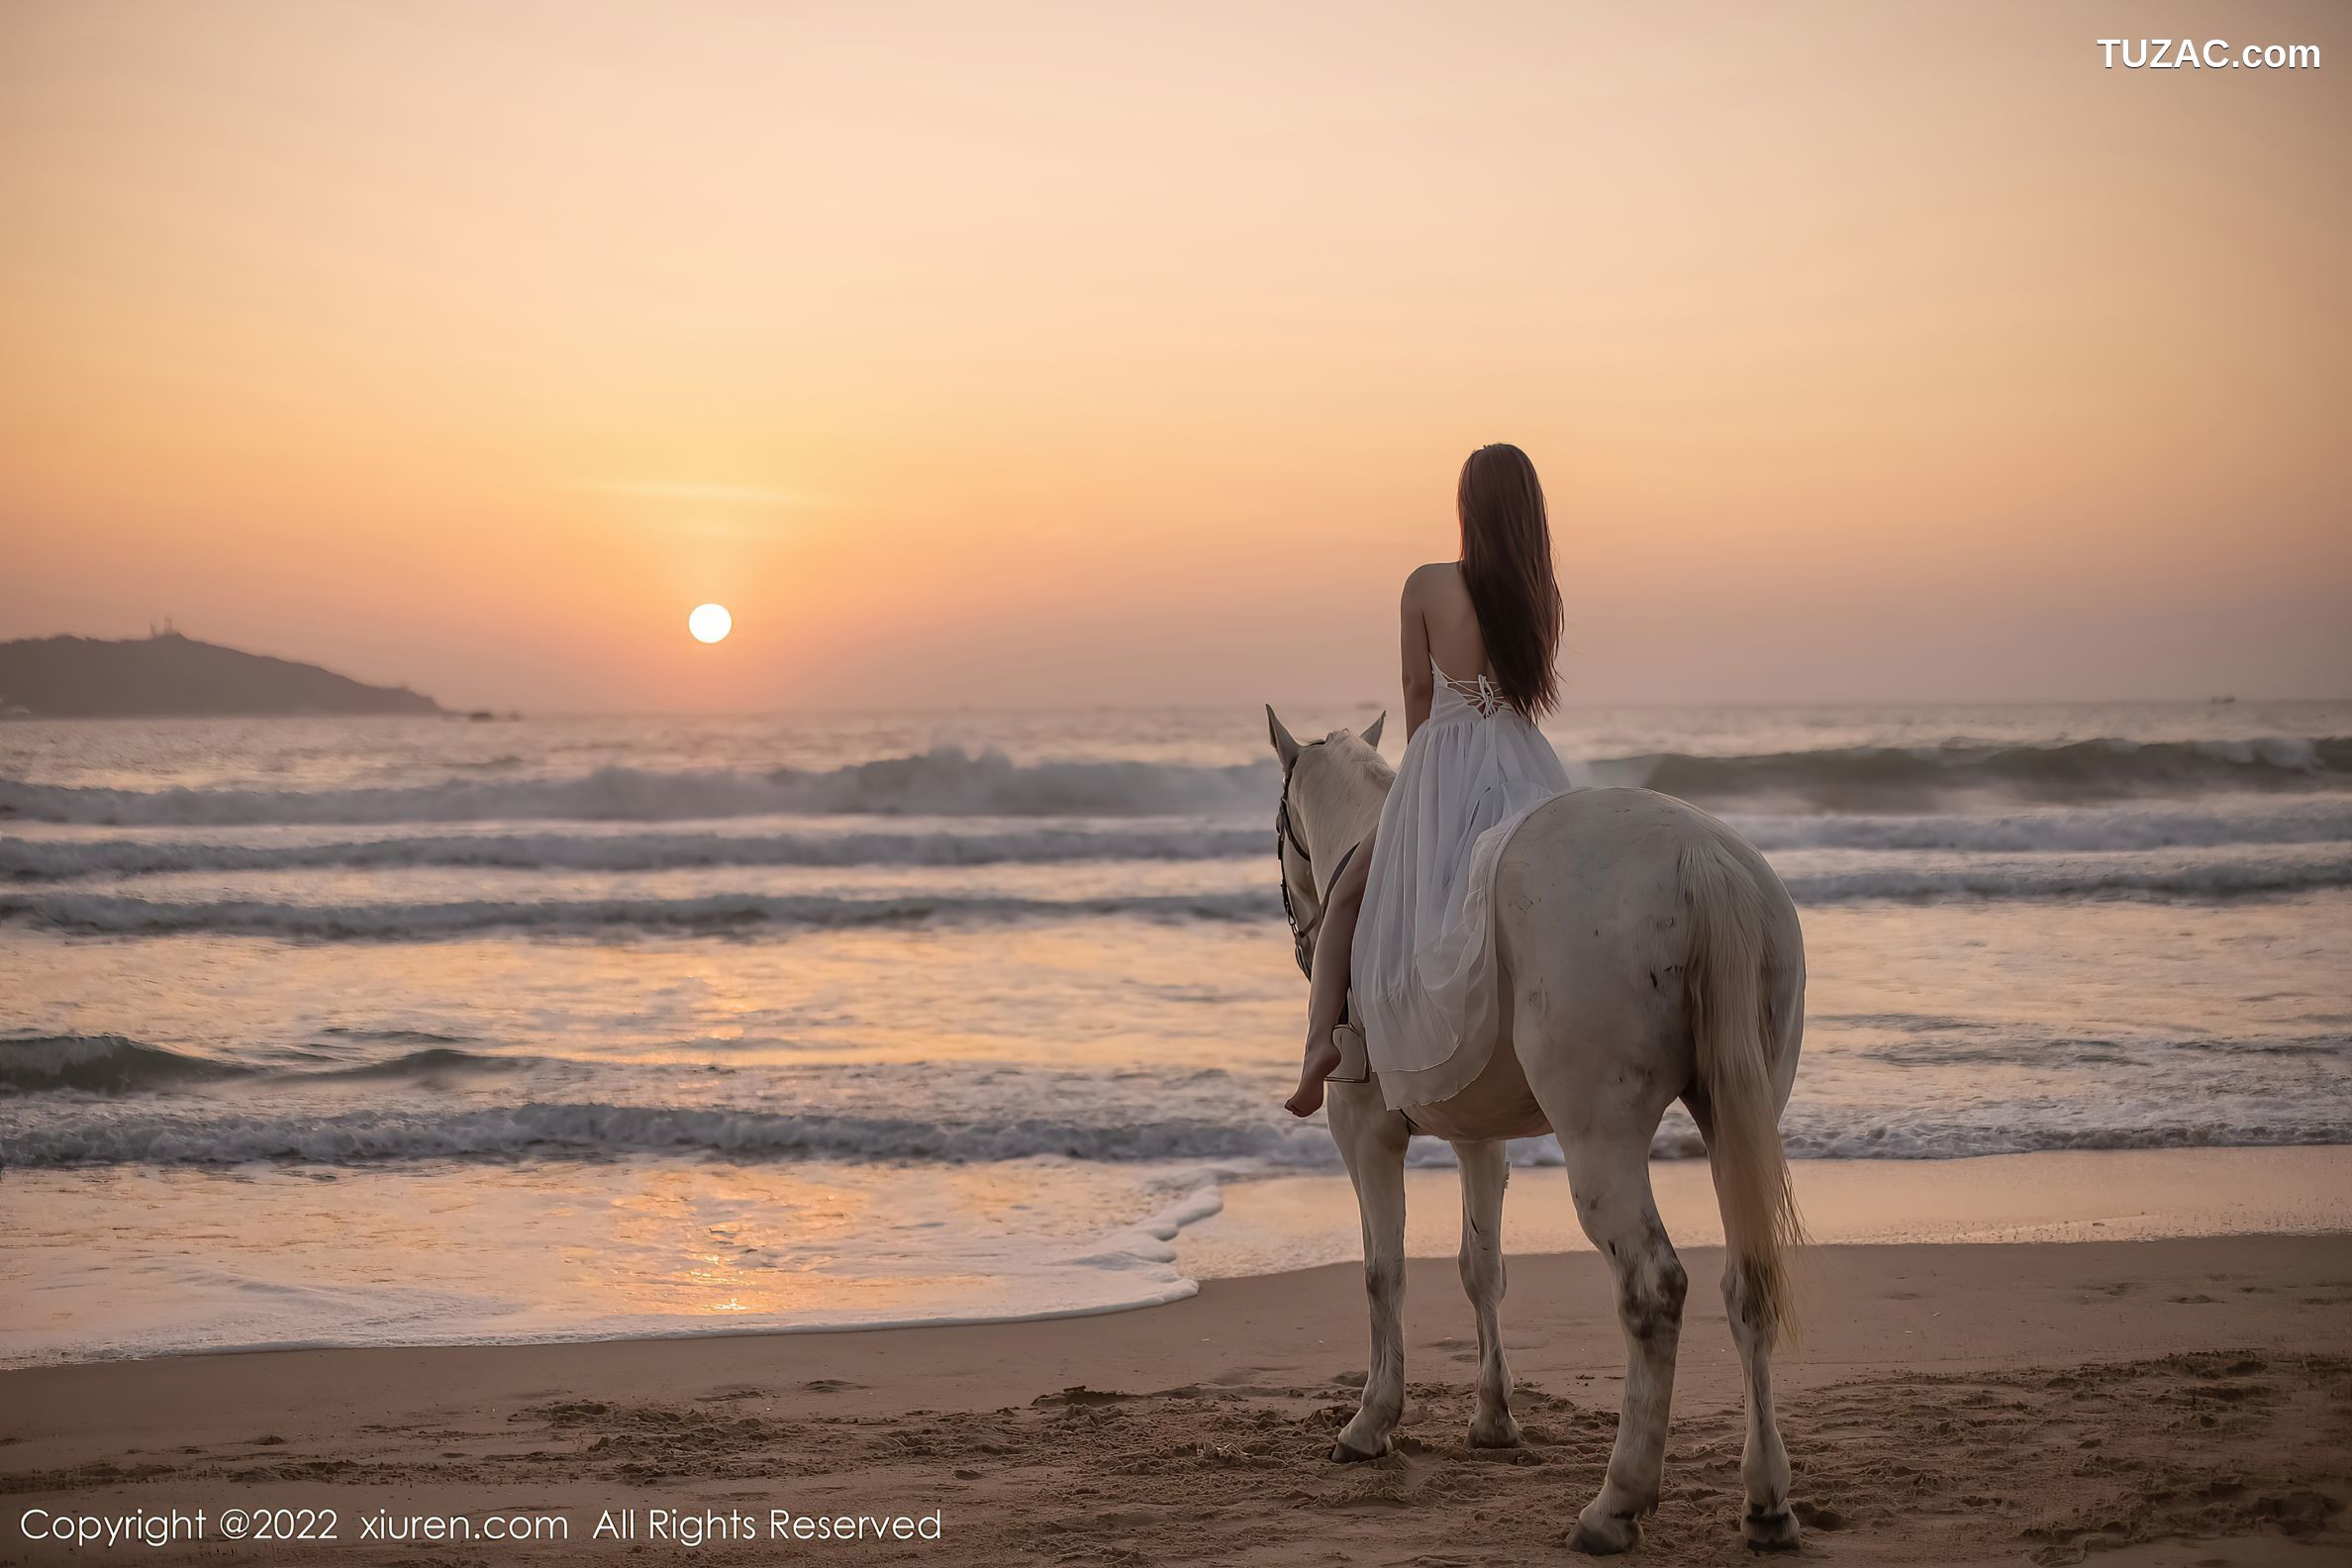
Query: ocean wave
point(431, 1065)
point(161, 1134)
point(2087, 831)
point(2079, 830)
point(114, 914)
point(1829, 1134)
point(118, 1102)
point(100, 1064)
point(946, 782)
point(2020, 878)
point(2058, 877)
point(24, 859)
point(1929, 1136)
point(952, 782)
point(2094, 830)
point(110, 1064)
point(163, 1131)
point(1896, 778)
point(1981, 1046)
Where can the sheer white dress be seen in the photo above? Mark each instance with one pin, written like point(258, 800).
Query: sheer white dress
point(1423, 969)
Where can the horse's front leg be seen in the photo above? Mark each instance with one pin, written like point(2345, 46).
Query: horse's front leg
point(1484, 1172)
point(1372, 1140)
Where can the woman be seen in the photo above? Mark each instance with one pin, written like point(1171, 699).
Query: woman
point(1478, 638)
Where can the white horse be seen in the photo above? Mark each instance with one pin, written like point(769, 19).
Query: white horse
point(1648, 954)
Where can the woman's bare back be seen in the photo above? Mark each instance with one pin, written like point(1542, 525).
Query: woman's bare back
point(1448, 619)
point(1455, 641)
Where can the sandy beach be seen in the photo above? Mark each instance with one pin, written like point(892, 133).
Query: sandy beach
point(1948, 1405)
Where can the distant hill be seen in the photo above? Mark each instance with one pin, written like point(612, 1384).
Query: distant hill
point(169, 675)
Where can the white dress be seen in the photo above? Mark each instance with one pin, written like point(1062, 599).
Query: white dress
point(1423, 961)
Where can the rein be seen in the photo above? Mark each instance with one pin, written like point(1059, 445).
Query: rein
point(1286, 838)
point(1286, 842)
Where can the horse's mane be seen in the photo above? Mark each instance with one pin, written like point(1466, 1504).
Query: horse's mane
point(1367, 762)
point(1352, 778)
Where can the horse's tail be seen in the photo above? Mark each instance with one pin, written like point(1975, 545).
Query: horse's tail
point(1732, 1017)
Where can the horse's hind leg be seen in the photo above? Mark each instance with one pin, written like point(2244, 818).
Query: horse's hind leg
point(1484, 1172)
point(1764, 1463)
point(1608, 1167)
point(1372, 1140)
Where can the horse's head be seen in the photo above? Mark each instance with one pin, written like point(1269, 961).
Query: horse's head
point(1332, 790)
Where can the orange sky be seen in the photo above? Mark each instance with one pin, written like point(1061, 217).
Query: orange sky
point(1015, 354)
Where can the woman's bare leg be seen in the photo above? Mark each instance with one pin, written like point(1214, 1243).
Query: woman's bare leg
point(1326, 993)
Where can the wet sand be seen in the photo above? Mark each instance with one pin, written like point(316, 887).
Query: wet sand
point(1949, 1403)
point(1268, 1225)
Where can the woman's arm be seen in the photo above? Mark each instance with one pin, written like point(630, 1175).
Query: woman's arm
point(1413, 637)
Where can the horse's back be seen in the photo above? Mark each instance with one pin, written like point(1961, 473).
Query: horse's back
point(1549, 879)
point(1592, 920)
point(1592, 934)
point(1595, 850)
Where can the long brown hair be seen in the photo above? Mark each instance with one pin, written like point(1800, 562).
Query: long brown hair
point(1506, 564)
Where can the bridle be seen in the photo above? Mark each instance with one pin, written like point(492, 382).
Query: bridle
point(1287, 842)
point(1287, 839)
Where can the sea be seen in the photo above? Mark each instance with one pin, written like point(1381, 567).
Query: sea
point(414, 1031)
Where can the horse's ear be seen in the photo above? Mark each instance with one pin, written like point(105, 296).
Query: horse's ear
point(1372, 731)
point(1284, 747)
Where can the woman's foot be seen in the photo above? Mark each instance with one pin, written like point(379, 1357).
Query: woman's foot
point(1323, 1056)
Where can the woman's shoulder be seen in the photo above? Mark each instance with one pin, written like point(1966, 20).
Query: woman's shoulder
point(1434, 580)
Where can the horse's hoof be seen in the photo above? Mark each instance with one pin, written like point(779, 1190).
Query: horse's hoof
point(1342, 1454)
point(1771, 1533)
point(1604, 1535)
point(1500, 1432)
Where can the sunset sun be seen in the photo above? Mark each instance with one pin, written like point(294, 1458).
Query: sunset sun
point(710, 622)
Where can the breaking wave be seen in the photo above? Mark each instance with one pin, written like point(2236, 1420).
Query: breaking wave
point(56, 859)
point(108, 914)
point(99, 1064)
point(2090, 829)
point(946, 782)
point(2061, 878)
point(162, 1132)
point(2021, 877)
point(111, 1101)
point(2079, 830)
point(109, 1065)
point(952, 782)
point(1898, 778)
